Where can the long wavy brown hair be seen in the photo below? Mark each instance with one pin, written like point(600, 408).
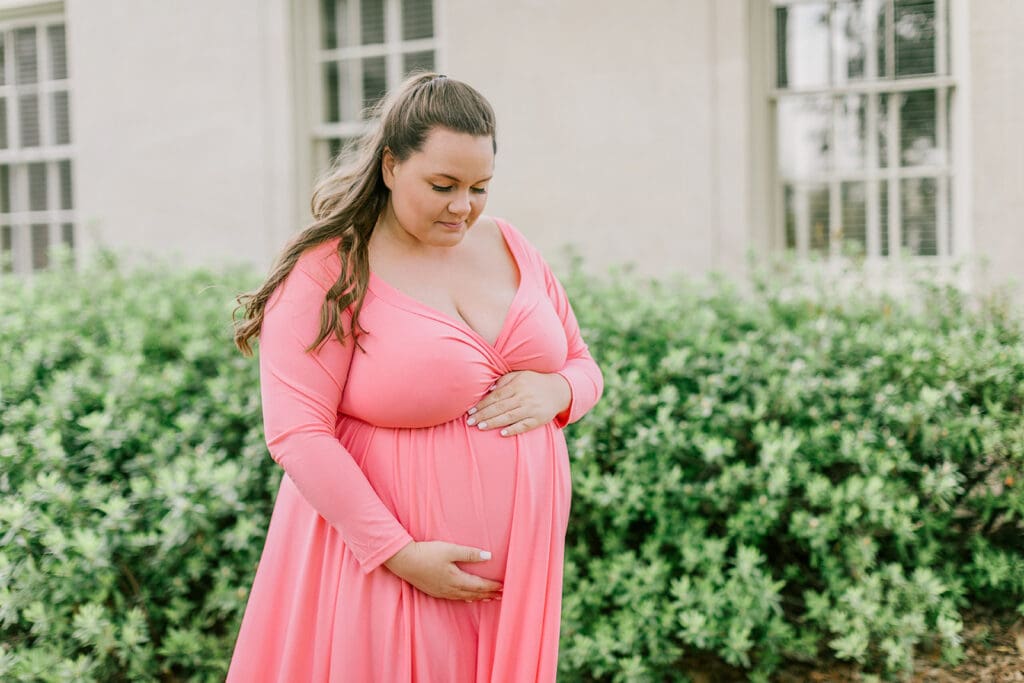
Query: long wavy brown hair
point(351, 196)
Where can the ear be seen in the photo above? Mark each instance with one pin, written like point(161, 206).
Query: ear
point(387, 167)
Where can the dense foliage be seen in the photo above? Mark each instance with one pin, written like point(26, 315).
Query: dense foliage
point(808, 470)
point(772, 475)
point(136, 488)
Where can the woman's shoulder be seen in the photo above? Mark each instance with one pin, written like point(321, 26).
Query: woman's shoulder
point(513, 236)
point(518, 241)
point(321, 262)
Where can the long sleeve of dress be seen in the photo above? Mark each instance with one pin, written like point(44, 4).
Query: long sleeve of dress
point(581, 372)
point(301, 393)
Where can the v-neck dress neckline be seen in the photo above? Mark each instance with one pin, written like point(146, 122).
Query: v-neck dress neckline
point(382, 289)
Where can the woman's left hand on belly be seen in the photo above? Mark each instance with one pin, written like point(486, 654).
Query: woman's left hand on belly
point(520, 401)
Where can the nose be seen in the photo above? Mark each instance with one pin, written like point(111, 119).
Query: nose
point(459, 204)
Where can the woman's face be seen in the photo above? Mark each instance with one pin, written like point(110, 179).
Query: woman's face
point(439, 192)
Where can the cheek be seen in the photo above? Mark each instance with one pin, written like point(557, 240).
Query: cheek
point(478, 203)
point(410, 203)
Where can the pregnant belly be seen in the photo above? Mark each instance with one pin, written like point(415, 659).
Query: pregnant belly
point(458, 484)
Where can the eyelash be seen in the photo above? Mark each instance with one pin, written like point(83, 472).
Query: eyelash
point(447, 188)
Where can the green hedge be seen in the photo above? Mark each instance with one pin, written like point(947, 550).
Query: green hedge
point(768, 476)
point(799, 472)
point(136, 488)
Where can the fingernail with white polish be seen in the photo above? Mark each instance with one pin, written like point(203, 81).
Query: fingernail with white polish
point(472, 410)
point(485, 554)
point(471, 421)
point(504, 432)
point(482, 425)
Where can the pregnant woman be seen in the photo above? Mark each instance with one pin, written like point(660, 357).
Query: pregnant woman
point(418, 361)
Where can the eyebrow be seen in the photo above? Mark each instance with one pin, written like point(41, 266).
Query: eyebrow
point(451, 177)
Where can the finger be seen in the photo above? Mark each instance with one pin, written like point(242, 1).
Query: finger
point(506, 378)
point(482, 404)
point(502, 419)
point(494, 393)
point(463, 553)
point(475, 585)
point(492, 409)
point(476, 598)
point(519, 427)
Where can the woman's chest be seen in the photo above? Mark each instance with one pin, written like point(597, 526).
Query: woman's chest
point(421, 367)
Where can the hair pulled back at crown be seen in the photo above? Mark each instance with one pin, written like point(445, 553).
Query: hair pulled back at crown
point(351, 195)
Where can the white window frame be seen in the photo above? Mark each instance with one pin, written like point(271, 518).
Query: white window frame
point(952, 199)
point(391, 49)
point(14, 16)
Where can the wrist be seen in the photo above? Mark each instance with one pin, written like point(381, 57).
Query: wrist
point(395, 562)
point(564, 392)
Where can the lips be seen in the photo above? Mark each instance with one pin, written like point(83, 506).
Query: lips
point(452, 226)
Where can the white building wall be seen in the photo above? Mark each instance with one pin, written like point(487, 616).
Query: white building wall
point(997, 135)
point(622, 127)
point(181, 126)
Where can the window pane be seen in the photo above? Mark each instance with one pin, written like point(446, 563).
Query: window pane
point(918, 145)
point(915, 37)
point(881, 21)
point(28, 120)
point(334, 146)
point(818, 212)
point(330, 149)
point(374, 81)
point(6, 249)
point(3, 123)
point(58, 52)
point(348, 89)
point(61, 123)
point(917, 201)
point(3, 59)
point(851, 46)
point(40, 245)
point(883, 215)
point(851, 132)
point(26, 69)
point(37, 186)
point(417, 61)
point(66, 197)
point(807, 208)
point(789, 200)
point(883, 129)
point(5, 188)
point(417, 19)
point(803, 45)
point(67, 234)
point(371, 14)
point(342, 146)
point(803, 135)
point(332, 94)
point(854, 227)
point(328, 24)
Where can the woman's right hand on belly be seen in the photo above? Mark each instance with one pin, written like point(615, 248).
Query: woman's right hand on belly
point(430, 566)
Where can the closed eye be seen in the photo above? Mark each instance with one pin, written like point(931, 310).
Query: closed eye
point(449, 188)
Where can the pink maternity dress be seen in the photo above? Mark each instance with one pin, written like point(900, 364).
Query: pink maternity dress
point(376, 453)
